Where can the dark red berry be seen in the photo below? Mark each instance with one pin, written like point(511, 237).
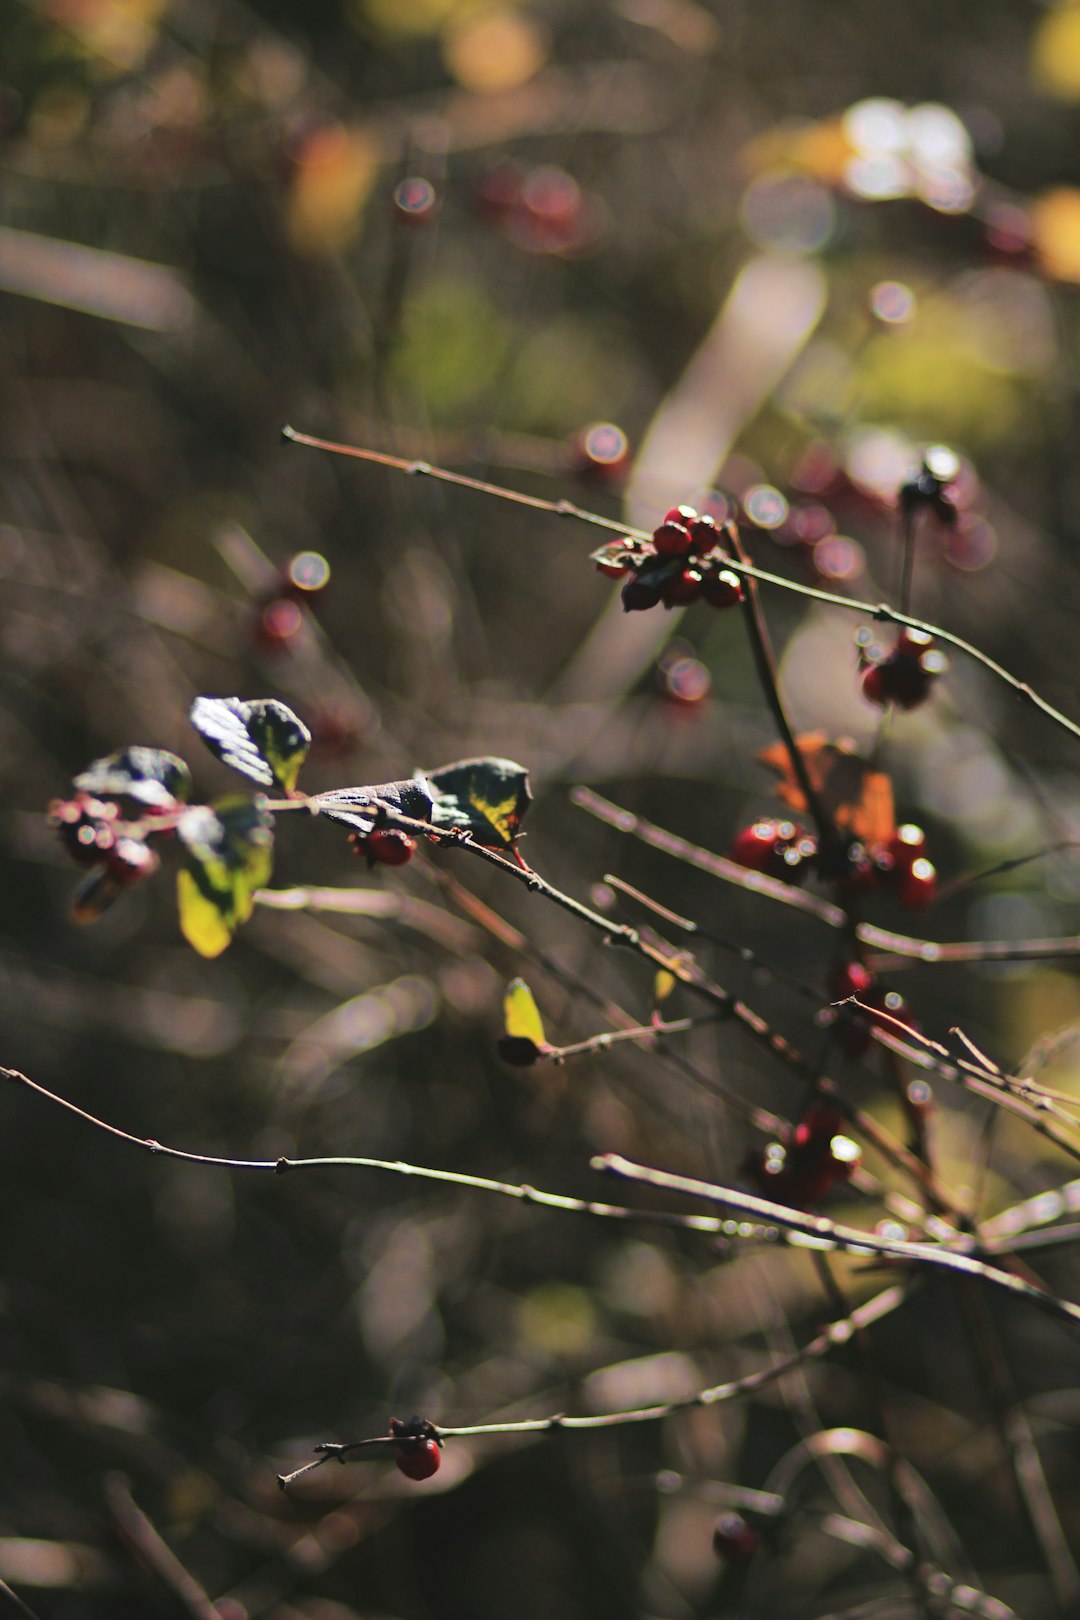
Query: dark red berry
point(672, 539)
point(681, 514)
point(682, 588)
point(87, 827)
point(778, 848)
point(705, 534)
point(416, 1451)
point(722, 589)
point(804, 1168)
point(906, 675)
point(384, 846)
point(917, 885)
point(130, 860)
point(734, 1539)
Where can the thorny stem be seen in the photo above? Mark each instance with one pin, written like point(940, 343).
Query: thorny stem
point(837, 1333)
point(880, 612)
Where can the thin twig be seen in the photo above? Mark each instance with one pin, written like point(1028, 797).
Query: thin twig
point(823, 1233)
point(17, 1603)
point(837, 1333)
point(149, 1548)
point(880, 612)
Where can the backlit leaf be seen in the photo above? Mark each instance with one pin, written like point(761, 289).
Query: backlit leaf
point(663, 985)
point(262, 739)
point(228, 854)
point(411, 797)
point(858, 798)
point(489, 797)
point(150, 776)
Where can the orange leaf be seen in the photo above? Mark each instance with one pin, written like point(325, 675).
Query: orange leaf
point(858, 798)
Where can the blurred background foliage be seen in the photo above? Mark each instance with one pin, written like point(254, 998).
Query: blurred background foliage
point(780, 249)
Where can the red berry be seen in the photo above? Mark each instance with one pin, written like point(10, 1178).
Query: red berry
point(130, 860)
point(723, 589)
point(672, 539)
point(86, 827)
point(416, 1452)
point(917, 885)
point(848, 979)
point(613, 570)
point(681, 514)
point(277, 624)
point(704, 534)
point(734, 1539)
point(779, 848)
point(683, 588)
point(802, 1170)
point(906, 675)
point(384, 846)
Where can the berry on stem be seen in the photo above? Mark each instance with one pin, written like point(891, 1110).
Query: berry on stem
point(804, 1168)
point(416, 1451)
point(906, 675)
point(384, 846)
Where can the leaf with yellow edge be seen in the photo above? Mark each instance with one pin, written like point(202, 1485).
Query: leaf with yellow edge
point(228, 854)
point(488, 797)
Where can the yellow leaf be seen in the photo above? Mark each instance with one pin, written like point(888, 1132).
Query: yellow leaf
point(663, 985)
point(1055, 232)
point(336, 169)
point(1055, 52)
point(201, 922)
point(523, 1019)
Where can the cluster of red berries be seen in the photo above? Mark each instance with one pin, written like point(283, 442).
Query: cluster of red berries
point(853, 1026)
point(806, 1166)
point(383, 846)
point(95, 835)
point(685, 560)
point(279, 616)
point(904, 675)
point(417, 1447)
point(898, 865)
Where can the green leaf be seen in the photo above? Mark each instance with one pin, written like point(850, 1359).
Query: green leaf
point(228, 854)
point(487, 796)
point(522, 1015)
point(150, 776)
point(262, 739)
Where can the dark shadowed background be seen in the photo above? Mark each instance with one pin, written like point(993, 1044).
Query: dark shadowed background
point(781, 248)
